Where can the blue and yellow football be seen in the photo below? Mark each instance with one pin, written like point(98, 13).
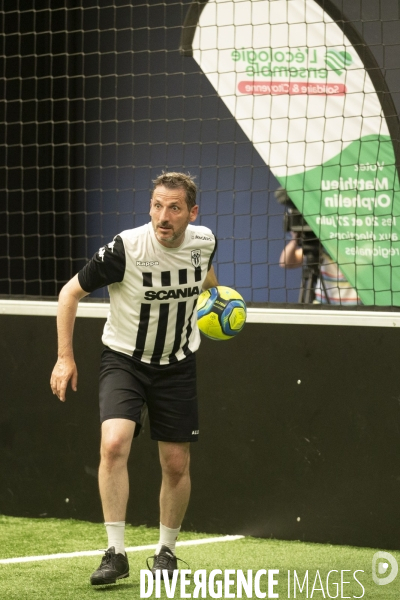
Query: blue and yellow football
point(221, 313)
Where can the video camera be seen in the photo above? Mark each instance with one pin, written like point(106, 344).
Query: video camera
point(294, 222)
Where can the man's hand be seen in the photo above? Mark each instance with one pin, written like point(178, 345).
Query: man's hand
point(64, 370)
point(211, 280)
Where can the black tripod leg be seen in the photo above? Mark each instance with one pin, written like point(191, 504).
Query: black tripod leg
point(323, 286)
point(307, 289)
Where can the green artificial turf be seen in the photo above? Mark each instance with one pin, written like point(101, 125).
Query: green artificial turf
point(69, 578)
point(32, 537)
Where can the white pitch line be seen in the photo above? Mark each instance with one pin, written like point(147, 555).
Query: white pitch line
point(23, 559)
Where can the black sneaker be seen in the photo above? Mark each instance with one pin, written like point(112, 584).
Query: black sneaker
point(112, 567)
point(165, 560)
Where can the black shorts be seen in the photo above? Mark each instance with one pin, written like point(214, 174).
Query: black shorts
point(128, 385)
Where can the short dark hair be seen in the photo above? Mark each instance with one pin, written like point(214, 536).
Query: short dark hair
point(178, 180)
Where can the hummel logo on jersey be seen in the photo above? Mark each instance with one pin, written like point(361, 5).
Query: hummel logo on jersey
point(175, 294)
point(202, 237)
point(196, 258)
point(150, 263)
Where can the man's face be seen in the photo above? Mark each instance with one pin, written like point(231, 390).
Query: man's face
point(170, 215)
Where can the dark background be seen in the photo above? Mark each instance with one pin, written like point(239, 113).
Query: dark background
point(271, 450)
point(96, 101)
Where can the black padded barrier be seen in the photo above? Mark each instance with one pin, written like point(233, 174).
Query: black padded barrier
point(299, 433)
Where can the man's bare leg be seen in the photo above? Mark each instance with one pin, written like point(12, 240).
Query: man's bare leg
point(116, 439)
point(175, 490)
point(115, 447)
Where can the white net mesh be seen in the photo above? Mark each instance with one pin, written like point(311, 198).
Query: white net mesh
point(96, 101)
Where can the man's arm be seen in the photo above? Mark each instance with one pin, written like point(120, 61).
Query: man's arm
point(65, 367)
point(211, 280)
point(292, 255)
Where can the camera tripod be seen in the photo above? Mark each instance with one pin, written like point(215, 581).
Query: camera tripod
point(311, 274)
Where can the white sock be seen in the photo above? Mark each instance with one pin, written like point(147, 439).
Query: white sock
point(116, 536)
point(168, 538)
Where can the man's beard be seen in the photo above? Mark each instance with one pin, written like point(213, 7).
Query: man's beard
point(175, 235)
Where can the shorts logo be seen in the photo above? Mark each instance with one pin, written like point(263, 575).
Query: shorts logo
point(195, 432)
point(196, 258)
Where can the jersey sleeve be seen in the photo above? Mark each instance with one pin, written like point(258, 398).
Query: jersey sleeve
point(213, 254)
point(106, 267)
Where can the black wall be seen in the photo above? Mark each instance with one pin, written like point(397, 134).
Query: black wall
point(271, 450)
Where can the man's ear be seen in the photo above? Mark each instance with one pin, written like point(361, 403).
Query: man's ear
point(193, 213)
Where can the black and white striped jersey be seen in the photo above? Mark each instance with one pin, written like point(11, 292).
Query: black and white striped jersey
point(153, 292)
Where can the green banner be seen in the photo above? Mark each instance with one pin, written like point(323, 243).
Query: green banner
point(302, 94)
point(352, 203)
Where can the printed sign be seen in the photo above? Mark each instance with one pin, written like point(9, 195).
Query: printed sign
point(301, 93)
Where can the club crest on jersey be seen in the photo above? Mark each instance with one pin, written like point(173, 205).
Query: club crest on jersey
point(196, 258)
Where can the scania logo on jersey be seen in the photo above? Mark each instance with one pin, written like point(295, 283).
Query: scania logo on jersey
point(150, 263)
point(172, 294)
point(196, 258)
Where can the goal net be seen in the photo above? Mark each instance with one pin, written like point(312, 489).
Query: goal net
point(98, 97)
